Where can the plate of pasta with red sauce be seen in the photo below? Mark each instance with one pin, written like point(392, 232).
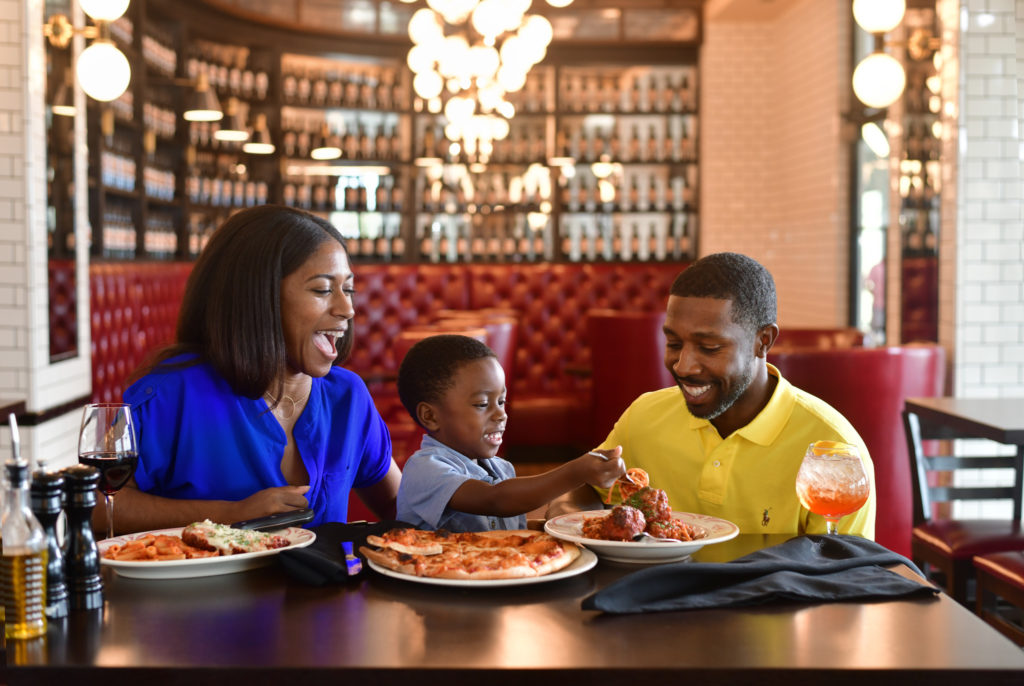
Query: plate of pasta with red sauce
point(643, 529)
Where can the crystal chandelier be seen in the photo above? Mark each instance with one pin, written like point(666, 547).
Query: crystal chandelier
point(467, 55)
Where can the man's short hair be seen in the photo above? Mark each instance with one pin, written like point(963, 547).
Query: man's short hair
point(428, 369)
point(735, 277)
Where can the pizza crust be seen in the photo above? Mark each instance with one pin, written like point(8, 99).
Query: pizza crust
point(471, 556)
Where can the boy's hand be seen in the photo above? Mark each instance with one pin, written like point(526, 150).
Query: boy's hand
point(603, 467)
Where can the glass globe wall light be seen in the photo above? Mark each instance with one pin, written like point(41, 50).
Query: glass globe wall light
point(102, 69)
point(467, 55)
point(879, 79)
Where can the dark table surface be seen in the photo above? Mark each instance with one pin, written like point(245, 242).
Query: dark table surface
point(997, 419)
point(259, 627)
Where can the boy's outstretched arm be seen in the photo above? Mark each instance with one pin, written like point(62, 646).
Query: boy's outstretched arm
point(520, 495)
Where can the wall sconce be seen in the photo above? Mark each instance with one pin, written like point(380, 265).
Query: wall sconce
point(103, 70)
point(879, 78)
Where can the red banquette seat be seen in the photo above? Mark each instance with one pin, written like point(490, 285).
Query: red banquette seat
point(868, 386)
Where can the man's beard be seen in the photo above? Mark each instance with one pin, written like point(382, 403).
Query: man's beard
point(740, 386)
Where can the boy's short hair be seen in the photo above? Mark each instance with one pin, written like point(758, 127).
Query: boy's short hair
point(428, 369)
point(735, 277)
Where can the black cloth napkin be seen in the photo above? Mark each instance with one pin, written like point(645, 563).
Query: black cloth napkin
point(323, 562)
point(814, 568)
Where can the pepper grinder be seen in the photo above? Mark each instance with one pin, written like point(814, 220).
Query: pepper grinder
point(47, 498)
point(81, 556)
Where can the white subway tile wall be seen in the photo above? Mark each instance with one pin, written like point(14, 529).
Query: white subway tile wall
point(982, 269)
point(773, 159)
point(25, 369)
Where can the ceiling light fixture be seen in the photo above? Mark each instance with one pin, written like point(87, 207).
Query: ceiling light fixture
point(260, 143)
point(233, 129)
point(472, 53)
point(203, 104)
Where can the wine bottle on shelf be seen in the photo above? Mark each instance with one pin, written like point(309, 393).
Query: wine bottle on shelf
point(645, 193)
point(655, 147)
point(335, 88)
point(608, 90)
point(636, 96)
point(643, 241)
point(633, 152)
point(625, 245)
point(662, 94)
point(678, 192)
point(632, 201)
point(303, 88)
point(679, 221)
point(660, 239)
point(319, 89)
point(368, 91)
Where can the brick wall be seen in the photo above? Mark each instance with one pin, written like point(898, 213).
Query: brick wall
point(773, 160)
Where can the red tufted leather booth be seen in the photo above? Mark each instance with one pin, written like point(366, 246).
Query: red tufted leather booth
point(868, 386)
point(627, 358)
point(63, 308)
point(135, 305)
point(134, 310)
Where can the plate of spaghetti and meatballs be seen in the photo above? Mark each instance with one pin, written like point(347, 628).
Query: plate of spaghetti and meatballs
point(643, 528)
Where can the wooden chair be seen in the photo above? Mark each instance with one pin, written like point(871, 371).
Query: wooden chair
point(944, 547)
point(1000, 593)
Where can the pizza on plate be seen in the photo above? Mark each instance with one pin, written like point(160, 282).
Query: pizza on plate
point(470, 556)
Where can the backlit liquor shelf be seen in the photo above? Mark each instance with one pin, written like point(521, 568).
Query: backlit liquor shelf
point(600, 162)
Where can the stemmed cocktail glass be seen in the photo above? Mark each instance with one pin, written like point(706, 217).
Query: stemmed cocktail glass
point(832, 482)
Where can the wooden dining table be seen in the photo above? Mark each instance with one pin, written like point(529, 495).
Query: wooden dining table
point(262, 627)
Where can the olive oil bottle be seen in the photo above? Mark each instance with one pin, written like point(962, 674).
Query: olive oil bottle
point(23, 554)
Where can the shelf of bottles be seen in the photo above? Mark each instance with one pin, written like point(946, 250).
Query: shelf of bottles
point(360, 109)
point(629, 190)
point(920, 178)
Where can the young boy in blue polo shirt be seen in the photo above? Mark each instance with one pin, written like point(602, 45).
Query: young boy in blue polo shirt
point(454, 387)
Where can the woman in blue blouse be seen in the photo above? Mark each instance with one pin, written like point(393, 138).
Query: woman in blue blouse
point(247, 414)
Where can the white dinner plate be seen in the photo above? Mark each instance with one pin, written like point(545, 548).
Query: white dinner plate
point(581, 564)
point(203, 566)
point(569, 527)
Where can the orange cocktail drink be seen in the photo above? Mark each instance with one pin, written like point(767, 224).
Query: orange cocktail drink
point(831, 481)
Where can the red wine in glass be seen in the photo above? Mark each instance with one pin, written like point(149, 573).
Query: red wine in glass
point(116, 468)
point(107, 442)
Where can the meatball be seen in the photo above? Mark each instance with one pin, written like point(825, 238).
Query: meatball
point(621, 524)
point(653, 502)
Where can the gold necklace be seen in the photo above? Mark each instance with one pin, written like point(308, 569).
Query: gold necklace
point(293, 403)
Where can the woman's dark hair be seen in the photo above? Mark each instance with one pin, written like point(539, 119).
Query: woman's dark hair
point(231, 311)
point(735, 277)
point(428, 369)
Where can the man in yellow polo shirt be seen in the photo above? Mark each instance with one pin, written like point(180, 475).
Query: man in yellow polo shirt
point(728, 440)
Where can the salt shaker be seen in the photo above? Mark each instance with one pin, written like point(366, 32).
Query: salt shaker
point(81, 556)
point(47, 503)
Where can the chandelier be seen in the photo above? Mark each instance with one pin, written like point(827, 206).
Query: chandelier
point(467, 56)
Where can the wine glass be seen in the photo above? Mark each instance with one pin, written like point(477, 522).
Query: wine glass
point(831, 481)
point(107, 442)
